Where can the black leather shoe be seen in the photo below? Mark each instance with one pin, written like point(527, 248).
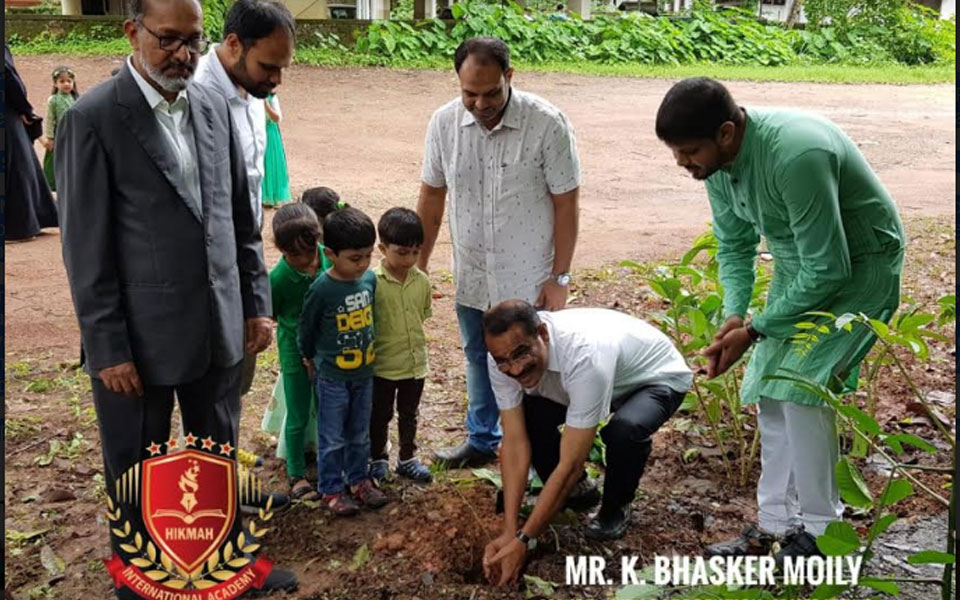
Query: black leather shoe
point(585, 495)
point(796, 543)
point(464, 455)
point(279, 580)
point(609, 524)
point(280, 502)
point(753, 541)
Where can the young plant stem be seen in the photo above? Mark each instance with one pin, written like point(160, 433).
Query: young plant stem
point(701, 401)
point(753, 455)
point(947, 580)
point(878, 509)
point(933, 416)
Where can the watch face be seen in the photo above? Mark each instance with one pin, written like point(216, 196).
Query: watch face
point(563, 280)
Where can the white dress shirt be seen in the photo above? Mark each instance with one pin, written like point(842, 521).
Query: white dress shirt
point(248, 116)
point(499, 183)
point(596, 355)
point(177, 131)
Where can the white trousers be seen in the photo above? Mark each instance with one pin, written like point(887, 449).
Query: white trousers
point(798, 452)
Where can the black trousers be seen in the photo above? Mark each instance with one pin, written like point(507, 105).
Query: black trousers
point(209, 406)
point(406, 393)
point(635, 417)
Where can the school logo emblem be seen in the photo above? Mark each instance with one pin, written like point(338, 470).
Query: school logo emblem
point(189, 547)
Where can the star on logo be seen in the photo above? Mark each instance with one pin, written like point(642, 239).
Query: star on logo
point(190, 439)
point(208, 443)
point(172, 443)
point(153, 449)
point(226, 449)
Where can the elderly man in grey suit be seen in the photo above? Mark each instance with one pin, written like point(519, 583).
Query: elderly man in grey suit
point(161, 246)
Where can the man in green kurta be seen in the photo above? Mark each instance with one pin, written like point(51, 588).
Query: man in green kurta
point(837, 242)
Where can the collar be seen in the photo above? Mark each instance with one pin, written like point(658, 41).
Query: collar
point(296, 276)
point(229, 89)
point(746, 146)
point(381, 271)
point(553, 362)
point(150, 93)
point(511, 115)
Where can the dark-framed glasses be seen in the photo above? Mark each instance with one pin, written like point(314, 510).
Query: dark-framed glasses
point(517, 357)
point(173, 43)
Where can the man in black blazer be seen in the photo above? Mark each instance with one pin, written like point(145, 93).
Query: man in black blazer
point(162, 250)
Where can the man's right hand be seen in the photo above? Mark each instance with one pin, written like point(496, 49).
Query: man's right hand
point(122, 379)
point(712, 352)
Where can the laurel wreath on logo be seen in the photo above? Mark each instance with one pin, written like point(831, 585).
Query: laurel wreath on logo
point(222, 565)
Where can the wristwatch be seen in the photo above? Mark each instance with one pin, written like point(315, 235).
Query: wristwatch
point(526, 540)
point(755, 336)
point(562, 278)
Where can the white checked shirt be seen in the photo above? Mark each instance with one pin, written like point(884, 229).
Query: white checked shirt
point(595, 356)
point(499, 184)
point(248, 115)
point(177, 131)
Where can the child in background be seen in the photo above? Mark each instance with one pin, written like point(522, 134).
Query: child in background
point(276, 181)
point(62, 97)
point(323, 201)
point(402, 304)
point(336, 341)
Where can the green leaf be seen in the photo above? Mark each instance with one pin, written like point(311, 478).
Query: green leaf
point(644, 591)
point(896, 441)
point(489, 475)
point(880, 526)
point(931, 557)
point(853, 490)
point(887, 587)
point(839, 539)
point(458, 10)
point(360, 558)
point(898, 490)
point(537, 587)
point(698, 322)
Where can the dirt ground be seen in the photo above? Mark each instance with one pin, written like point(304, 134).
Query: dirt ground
point(360, 132)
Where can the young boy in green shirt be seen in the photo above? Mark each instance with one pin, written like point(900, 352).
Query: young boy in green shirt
point(296, 232)
point(402, 304)
point(336, 342)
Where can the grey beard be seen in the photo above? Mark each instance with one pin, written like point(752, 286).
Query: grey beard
point(170, 84)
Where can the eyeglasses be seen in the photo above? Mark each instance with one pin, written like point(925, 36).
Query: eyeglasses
point(173, 43)
point(517, 357)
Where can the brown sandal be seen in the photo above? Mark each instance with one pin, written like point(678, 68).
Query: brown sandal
point(301, 489)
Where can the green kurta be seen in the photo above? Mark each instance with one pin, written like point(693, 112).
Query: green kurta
point(288, 287)
point(834, 233)
point(57, 105)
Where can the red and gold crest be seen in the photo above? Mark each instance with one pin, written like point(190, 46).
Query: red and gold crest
point(189, 504)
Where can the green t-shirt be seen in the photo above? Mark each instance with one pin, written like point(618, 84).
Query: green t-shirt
point(288, 287)
point(336, 327)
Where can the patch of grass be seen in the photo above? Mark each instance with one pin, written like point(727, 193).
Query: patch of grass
point(14, 428)
point(17, 370)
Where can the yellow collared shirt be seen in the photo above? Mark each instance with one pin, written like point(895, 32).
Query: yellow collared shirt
point(399, 310)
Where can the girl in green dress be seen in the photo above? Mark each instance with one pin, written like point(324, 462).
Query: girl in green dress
point(276, 182)
point(62, 97)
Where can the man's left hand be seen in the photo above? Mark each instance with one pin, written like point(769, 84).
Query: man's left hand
point(503, 560)
point(730, 348)
point(553, 296)
point(257, 334)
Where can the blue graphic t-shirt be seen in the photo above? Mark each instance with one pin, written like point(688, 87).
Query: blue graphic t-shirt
point(336, 327)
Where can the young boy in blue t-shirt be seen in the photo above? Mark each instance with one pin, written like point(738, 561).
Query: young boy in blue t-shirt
point(336, 341)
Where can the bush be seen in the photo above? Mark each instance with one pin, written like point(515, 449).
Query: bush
point(714, 34)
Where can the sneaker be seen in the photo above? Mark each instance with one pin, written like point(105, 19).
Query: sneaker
point(340, 504)
point(796, 543)
point(368, 495)
point(753, 541)
point(610, 523)
point(249, 459)
point(415, 470)
point(277, 580)
point(585, 495)
point(379, 469)
point(464, 455)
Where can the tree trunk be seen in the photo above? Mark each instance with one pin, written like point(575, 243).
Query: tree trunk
point(794, 12)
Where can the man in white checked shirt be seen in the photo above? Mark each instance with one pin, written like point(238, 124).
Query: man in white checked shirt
point(508, 162)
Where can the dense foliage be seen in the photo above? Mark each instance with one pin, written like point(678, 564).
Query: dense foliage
point(908, 35)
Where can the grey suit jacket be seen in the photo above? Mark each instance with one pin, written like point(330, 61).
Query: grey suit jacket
point(152, 281)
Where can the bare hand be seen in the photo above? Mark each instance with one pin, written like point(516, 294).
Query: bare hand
point(712, 352)
point(47, 143)
point(553, 296)
point(308, 365)
point(722, 354)
point(503, 558)
point(257, 334)
point(122, 379)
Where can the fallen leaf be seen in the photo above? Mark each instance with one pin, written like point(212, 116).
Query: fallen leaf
point(51, 562)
